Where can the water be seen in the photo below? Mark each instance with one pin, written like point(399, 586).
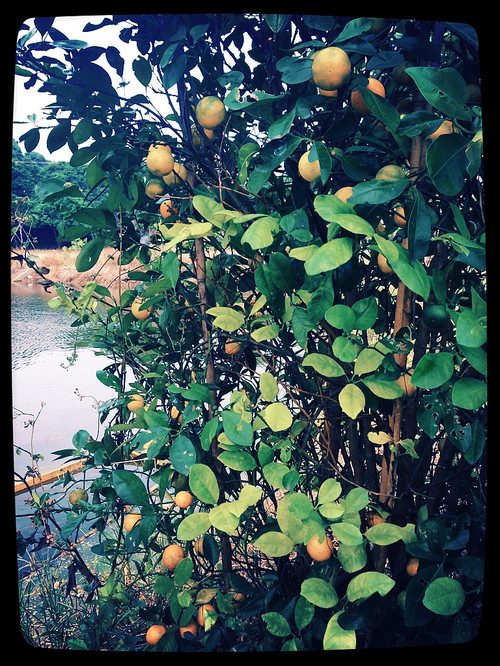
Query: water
point(63, 395)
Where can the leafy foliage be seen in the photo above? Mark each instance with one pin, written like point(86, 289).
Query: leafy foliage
point(310, 426)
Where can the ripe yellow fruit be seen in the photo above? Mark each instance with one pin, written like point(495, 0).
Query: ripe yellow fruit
point(357, 101)
point(399, 216)
point(210, 112)
point(189, 628)
point(320, 551)
point(130, 520)
point(172, 555)
point(177, 176)
point(405, 382)
point(183, 499)
point(154, 633)
point(201, 613)
point(155, 187)
point(137, 311)
point(446, 127)
point(412, 566)
point(309, 171)
point(77, 496)
point(383, 264)
point(344, 193)
point(331, 68)
point(390, 172)
point(232, 347)
point(136, 402)
point(159, 160)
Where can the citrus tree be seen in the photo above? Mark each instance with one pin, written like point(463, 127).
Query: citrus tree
point(299, 359)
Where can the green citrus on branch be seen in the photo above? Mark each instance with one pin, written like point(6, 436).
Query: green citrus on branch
point(77, 496)
point(210, 112)
point(436, 316)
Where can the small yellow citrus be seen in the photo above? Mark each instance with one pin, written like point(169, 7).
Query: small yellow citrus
point(309, 171)
point(320, 551)
point(154, 633)
point(210, 112)
point(183, 499)
point(172, 555)
point(331, 68)
point(159, 160)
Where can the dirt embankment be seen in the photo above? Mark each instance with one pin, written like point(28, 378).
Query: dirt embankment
point(59, 267)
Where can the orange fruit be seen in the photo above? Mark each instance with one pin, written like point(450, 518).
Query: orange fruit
point(167, 208)
point(197, 138)
point(412, 566)
point(446, 127)
point(232, 347)
point(210, 112)
point(155, 187)
point(344, 193)
point(383, 264)
point(159, 160)
point(175, 413)
point(309, 171)
point(183, 499)
point(201, 613)
point(357, 102)
point(399, 216)
point(130, 520)
point(172, 555)
point(154, 633)
point(177, 176)
point(331, 68)
point(189, 628)
point(390, 172)
point(320, 551)
point(77, 496)
point(137, 311)
point(136, 402)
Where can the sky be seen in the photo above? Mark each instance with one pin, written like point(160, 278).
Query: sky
point(31, 101)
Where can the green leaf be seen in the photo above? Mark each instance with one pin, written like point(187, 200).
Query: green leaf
point(319, 592)
point(277, 416)
point(384, 534)
point(383, 387)
point(337, 638)
point(352, 558)
point(341, 316)
point(447, 163)
point(367, 583)
point(89, 254)
point(276, 624)
point(268, 332)
point(203, 483)
point(170, 268)
point(130, 488)
point(227, 319)
point(241, 461)
point(268, 386)
point(329, 256)
point(325, 365)
point(282, 126)
point(366, 311)
point(368, 360)
point(182, 454)
point(469, 393)
point(260, 234)
point(274, 544)
point(225, 517)
point(142, 70)
point(237, 428)
point(433, 370)
point(444, 89)
point(444, 596)
point(352, 400)
point(378, 191)
point(329, 491)
point(347, 533)
point(193, 526)
point(470, 331)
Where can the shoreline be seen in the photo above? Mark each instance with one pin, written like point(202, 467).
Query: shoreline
point(60, 267)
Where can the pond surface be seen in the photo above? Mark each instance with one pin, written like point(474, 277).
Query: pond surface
point(64, 395)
